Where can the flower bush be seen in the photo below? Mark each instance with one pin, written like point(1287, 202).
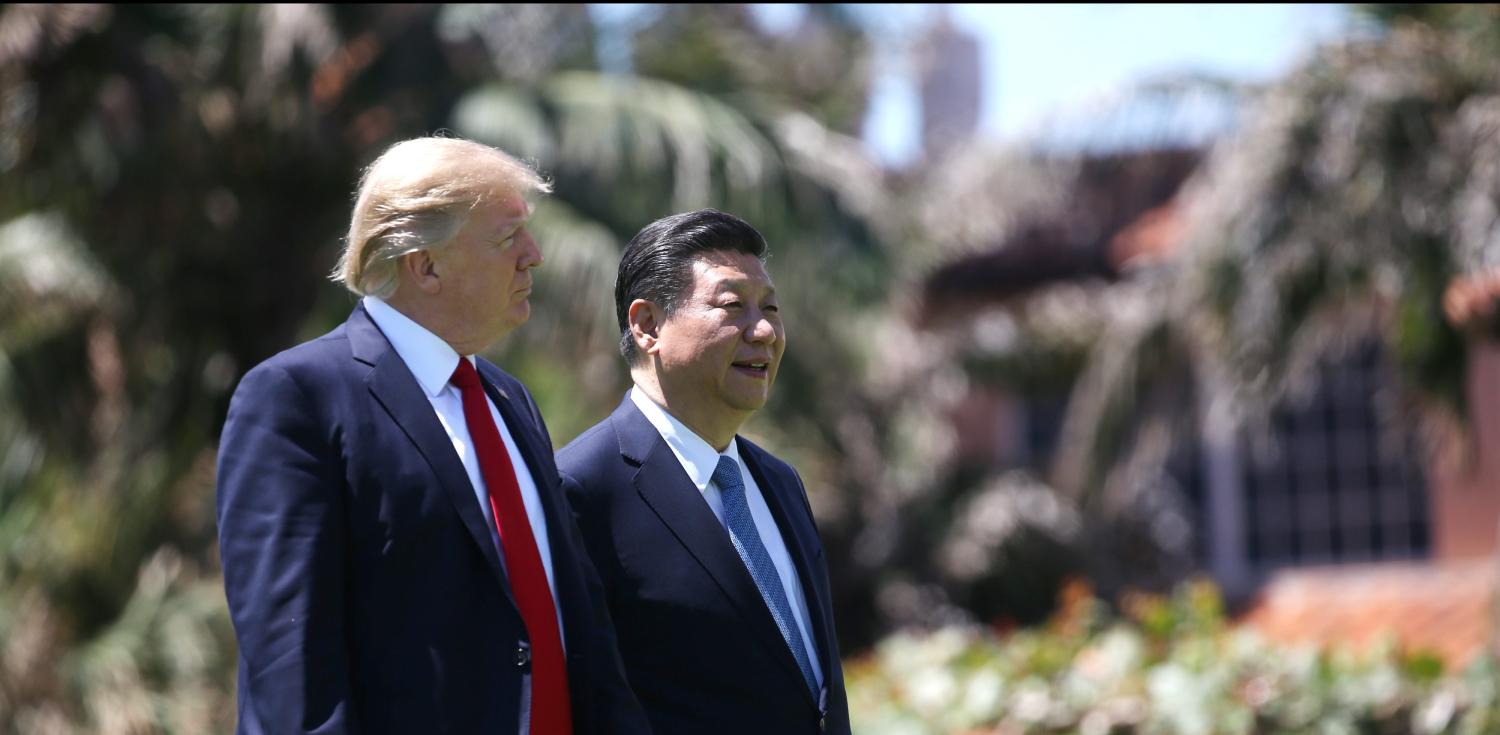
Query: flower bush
point(1164, 666)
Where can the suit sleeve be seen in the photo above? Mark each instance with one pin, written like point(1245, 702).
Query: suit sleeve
point(282, 539)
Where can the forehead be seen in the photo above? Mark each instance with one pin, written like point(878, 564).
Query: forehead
point(723, 268)
point(501, 210)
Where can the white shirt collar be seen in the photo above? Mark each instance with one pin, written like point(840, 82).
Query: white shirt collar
point(430, 359)
point(697, 456)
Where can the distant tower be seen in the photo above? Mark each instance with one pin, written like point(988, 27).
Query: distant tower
point(948, 65)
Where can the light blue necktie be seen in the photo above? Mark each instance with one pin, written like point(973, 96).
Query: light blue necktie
point(747, 542)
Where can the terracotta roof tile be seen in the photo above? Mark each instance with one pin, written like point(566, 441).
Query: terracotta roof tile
point(1445, 608)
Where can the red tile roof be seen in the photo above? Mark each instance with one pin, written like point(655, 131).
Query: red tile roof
point(1471, 299)
point(1154, 235)
point(1444, 608)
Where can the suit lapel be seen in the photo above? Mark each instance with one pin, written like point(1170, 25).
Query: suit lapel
point(800, 538)
point(397, 391)
point(528, 441)
point(665, 487)
point(533, 448)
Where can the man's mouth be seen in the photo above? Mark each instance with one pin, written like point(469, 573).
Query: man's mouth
point(757, 368)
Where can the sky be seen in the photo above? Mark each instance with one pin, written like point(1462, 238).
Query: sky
point(1041, 62)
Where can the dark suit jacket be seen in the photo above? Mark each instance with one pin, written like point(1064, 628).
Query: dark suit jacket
point(364, 586)
point(700, 646)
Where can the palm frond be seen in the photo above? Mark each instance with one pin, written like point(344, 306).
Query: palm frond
point(837, 163)
point(613, 129)
point(507, 117)
point(607, 121)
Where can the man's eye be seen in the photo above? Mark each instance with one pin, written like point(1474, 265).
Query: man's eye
point(774, 309)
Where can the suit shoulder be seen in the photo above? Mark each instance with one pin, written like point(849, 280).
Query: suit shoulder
point(591, 465)
point(595, 444)
point(303, 364)
point(766, 460)
point(310, 355)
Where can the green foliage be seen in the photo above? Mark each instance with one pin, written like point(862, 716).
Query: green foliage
point(1168, 666)
point(174, 181)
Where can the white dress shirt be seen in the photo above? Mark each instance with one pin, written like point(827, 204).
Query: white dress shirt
point(432, 362)
point(699, 459)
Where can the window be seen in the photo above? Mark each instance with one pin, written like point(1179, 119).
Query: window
point(1338, 480)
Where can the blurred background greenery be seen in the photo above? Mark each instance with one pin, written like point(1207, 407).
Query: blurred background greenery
point(174, 181)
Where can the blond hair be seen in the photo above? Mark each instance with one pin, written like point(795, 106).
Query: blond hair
point(417, 196)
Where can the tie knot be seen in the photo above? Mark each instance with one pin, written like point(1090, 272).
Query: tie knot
point(727, 474)
point(465, 377)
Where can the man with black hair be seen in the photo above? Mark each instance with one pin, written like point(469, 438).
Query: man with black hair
point(706, 544)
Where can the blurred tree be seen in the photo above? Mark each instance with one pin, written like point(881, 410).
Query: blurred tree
point(821, 67)
point(174, 182)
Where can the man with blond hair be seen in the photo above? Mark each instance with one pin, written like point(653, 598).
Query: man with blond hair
point(398, 557)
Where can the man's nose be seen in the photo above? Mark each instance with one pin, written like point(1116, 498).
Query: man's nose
point(762, 331)
point(531, 255)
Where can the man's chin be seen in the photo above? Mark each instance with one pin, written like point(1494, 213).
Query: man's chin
point(750, 402)
point(513, 320)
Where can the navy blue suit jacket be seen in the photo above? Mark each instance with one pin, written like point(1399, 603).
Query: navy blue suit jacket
point(700, 646)
point(364, 586)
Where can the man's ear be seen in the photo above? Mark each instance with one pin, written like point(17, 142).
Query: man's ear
point(645, 319)
point(420, 268)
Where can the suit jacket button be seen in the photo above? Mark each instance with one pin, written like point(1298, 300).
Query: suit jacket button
point(523, 657)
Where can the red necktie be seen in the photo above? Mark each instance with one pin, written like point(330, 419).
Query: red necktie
point(551, 712)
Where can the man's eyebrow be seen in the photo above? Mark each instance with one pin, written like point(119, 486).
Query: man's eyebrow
point(510, 226)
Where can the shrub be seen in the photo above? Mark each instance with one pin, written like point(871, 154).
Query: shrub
point(1164, 666)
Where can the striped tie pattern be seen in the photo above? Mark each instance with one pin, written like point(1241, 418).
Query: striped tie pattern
point(747, 542)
